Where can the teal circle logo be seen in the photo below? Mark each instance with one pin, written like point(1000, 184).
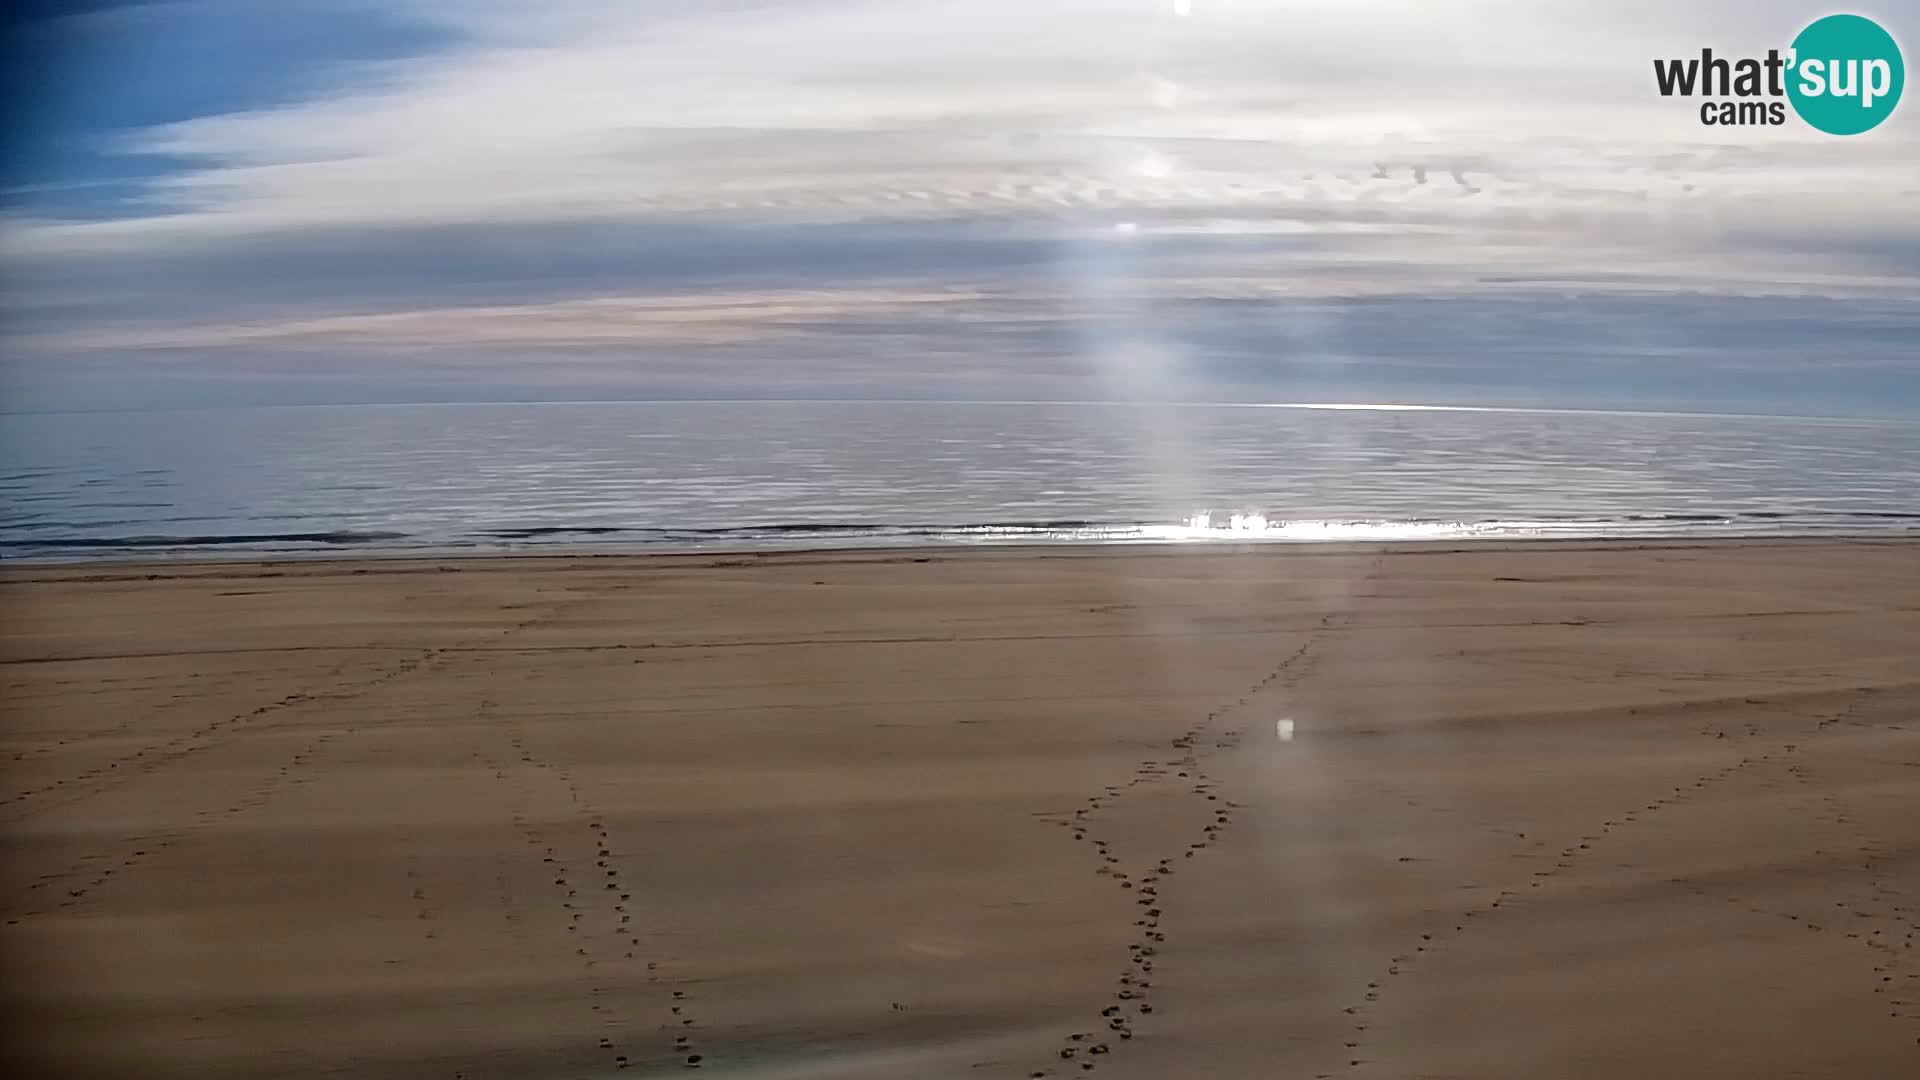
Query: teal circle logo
point(1846, 74)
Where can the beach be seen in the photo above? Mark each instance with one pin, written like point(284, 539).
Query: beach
point(1571, 810)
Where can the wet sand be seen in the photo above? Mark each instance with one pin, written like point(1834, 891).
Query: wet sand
point(1506, 812)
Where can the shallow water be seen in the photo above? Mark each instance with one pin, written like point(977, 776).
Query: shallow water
point(741, 474)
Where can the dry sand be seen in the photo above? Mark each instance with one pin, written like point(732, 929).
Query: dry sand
point(1551, 811)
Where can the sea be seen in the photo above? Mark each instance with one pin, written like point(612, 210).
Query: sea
point(632, 476)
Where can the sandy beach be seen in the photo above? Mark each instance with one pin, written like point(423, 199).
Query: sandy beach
point(1549, 811)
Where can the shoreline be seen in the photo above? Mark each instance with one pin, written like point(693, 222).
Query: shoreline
point(33, 568)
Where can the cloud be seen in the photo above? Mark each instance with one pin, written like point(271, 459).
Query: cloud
point(700, 319)
point(814, 176)
point(921, 108)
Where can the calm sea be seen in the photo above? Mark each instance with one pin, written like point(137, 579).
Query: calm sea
point(628, 475)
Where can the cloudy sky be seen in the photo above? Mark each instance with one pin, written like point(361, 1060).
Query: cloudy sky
point(1481, 202)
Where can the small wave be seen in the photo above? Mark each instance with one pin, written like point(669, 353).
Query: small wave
point(338, 536)
point(830, 527)
point(1777, 515)
point(803, 528)
point(535, 531)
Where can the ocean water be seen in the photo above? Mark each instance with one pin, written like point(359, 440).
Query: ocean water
point(747, 474)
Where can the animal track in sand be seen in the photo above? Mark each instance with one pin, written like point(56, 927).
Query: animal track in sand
point(91, 871)
point(97, 871)
point(1184, 768)
point(1568, 861)
point(593, 901)
point(426, 911)
point(1883, 922)
point(132, 719)
point(149, 759)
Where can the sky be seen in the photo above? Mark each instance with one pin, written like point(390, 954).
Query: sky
point(1485, 202)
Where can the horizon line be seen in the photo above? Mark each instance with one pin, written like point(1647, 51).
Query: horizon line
point(1326, 406)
